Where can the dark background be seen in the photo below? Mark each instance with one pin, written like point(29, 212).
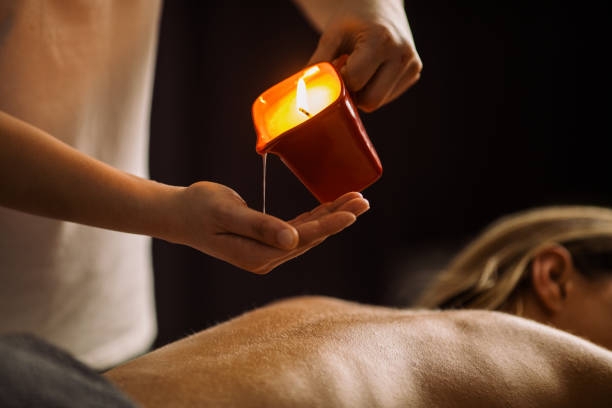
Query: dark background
point(512, 111)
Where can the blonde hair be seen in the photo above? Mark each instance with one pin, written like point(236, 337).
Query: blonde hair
point(489, 271)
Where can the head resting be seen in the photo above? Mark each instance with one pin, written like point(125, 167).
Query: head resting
point(493, 267)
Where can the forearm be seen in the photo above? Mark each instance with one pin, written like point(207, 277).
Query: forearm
point(319, 12)
point(41, 175)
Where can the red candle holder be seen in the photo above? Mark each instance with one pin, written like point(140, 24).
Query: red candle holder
point(311, 123)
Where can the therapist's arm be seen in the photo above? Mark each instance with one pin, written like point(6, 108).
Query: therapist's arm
point(43, 176)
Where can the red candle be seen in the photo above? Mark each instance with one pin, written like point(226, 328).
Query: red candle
point(311, 123)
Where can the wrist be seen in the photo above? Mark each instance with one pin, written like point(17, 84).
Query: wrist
point(160, 214)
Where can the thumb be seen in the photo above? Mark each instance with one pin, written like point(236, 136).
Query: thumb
point(261, 227)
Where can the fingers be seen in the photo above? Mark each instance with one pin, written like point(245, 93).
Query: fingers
point(357, 206)
point(352, 202)
point(325, 226)
point(267, 229)
point(311, 233)
point(368, 54)
point(302, 248)
point(392, 78)
point(250, 239)
point(325, 220)
point(411, 76)
point(381, 64)
point(249, 223)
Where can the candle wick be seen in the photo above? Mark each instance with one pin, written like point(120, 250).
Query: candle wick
point(305, 112)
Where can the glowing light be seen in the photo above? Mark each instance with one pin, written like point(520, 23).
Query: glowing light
point(302, 98)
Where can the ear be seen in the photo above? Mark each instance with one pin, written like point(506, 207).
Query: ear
point(551, 270)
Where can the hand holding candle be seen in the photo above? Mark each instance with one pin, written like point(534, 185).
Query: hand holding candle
point(311, 123)
point(383, 61)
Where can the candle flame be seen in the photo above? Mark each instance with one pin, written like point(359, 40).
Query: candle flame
point(302, 98)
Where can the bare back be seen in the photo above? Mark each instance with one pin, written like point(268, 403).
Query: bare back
point(323, 352)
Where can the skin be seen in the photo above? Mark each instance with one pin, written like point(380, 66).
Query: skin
point(382, 58)
point(324, 352)
point(43, 176)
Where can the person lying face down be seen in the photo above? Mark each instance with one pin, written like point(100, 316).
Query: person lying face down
point(550, 264)
point(325, 352)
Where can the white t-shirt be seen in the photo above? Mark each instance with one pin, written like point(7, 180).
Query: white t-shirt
point(82, 70)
